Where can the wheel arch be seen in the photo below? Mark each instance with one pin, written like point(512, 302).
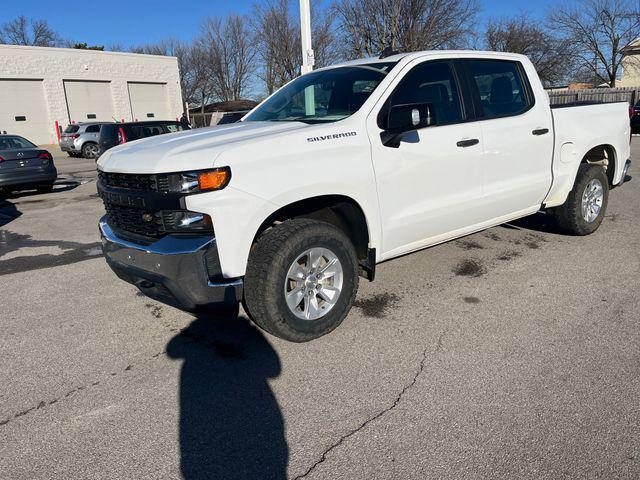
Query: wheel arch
point(339, 210)
point(605, 155)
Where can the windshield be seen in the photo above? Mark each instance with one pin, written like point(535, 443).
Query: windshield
point(323, 96)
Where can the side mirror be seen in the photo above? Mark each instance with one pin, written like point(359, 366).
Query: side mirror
point(406, 118)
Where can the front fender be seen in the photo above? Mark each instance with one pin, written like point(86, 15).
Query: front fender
point(237, 216)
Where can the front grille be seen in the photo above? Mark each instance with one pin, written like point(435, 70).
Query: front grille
point(133, 220)
point(139, 182)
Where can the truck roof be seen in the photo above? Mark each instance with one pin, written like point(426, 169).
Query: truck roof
point(423, 53)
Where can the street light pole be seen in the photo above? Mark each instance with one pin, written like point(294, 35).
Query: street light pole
point(308, 59)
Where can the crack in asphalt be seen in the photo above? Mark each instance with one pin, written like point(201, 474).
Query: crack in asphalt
point(381, 413)
point(223, 349)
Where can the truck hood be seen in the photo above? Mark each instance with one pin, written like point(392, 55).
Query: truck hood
point(190, 150)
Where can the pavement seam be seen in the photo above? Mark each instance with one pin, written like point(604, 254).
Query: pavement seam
point(381, 413)
point(189, 338)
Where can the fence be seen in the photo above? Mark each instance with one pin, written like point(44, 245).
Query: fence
point(199, 120)
point(607, 95)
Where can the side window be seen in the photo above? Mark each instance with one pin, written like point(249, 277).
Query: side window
point(501, 87)
point(93, 129)
point(173, 127)
point(434, 83)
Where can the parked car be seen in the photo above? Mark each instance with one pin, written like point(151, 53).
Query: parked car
point(286, 209)
point(118, 133)
point(634, 113)
point(81, 139)
point(231, 117)
point(24, 166)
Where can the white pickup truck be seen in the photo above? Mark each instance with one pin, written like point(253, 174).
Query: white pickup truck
point(346, 167)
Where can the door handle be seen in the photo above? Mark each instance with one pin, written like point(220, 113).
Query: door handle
point(468, 143)
point(540, 131)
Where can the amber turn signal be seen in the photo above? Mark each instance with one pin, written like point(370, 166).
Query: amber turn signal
point(214, 179)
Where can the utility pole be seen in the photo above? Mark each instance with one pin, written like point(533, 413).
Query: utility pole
point(308, 58)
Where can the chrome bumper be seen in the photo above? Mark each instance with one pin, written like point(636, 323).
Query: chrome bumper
point(174, 270)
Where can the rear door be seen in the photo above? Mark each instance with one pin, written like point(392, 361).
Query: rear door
point(517, 135)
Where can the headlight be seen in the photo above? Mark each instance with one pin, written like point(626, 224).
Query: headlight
point(199, 181)
point(187, 221)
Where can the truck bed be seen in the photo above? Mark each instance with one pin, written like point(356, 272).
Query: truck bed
point(578, 128)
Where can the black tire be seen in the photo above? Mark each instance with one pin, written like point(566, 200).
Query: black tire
point(569, 216)
point(90, 150)
point(45, 188)
point(269, 261)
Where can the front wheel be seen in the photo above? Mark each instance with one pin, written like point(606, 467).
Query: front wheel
point(301, 279)
point(586, 204)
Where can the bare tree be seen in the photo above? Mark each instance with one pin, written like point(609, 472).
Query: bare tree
point(192, 66)
point(599, 30)
point(277, 28)
point(230, 53)
point(22, 31)
point(551, 56)
point(370, 26)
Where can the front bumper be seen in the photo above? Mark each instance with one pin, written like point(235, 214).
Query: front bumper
point(172, 270)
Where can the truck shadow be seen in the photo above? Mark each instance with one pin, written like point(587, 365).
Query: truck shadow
point(231, 425)
point(539, 222)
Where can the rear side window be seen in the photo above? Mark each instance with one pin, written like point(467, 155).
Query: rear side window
point(434, 83)
point(93, 129)
point(71, 129)
point(501, 86)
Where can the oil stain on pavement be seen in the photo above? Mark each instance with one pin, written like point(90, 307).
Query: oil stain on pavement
point(470, 268)
point(377, 305)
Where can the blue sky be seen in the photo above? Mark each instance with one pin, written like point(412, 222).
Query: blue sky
point(136, 22)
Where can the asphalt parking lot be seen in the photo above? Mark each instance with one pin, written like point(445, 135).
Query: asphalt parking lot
point(512, 353)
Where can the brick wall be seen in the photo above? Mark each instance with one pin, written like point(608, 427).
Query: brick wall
point(54, 65)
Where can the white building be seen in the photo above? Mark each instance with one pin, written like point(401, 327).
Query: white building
point(41, 86)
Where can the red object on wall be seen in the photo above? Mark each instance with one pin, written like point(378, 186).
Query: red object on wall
point(57, 130)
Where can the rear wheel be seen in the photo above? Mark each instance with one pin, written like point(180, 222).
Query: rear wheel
point(90, 150)
point(301, 279)
point(586, 204)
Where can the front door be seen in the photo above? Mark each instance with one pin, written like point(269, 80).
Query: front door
point(429, 187)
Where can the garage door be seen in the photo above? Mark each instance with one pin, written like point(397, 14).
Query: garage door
point(88, 100)
point(149, 101)
point(23, 110)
